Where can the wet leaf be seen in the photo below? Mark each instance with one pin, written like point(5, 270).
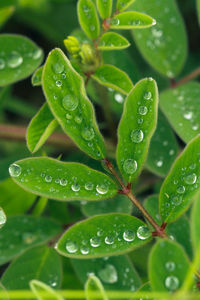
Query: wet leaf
point(123, 4)
point(136, 128)
point(195, 223)
point(103, 235)
point(40, 128)
point(18, 59)
point(3, 217)
point(5, 14)
point(54, 179)
point(182, 183)
point(38, 287)
point(36, 78)
point(93, 285)
point(104, 8)
point(69, 104)
point(112, 41)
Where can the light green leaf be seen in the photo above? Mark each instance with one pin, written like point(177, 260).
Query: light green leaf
point(5, 14)
point(131, 19)
point(103, 235)
point(40, 206)
point(195, 223)
point(69, 104)
point(112, 41)
point(38, 287)
point(3, 218)
point(104, 8)
point(93, 285)
point(19, 57)
point(116, 272)
point(36, 78)
point(136, 128)
point(113, 77)
point(182, 109)
point(168, 266)
point(163, 148)
point(3, 292)
point(88, 18)
point(182, 183)
point(41, 263)
point(23, 232)
point(40, 128)
point(198, 9)
point(164, 46)
point(54, 179)
point(123, 4)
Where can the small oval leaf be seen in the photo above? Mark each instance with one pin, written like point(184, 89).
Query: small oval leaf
point(113, 77)
point(131, 19)
point(36, 78)
point(103, 235)
point(88, 18)
point(66, 97)
point(112, 41)
point(39, 288)
point(94, 286)
point(182, 183)
point(104, 8)
point(58, 180)
point(123, 4)
point(136, 128)
point(40, 128)
point(19, 57)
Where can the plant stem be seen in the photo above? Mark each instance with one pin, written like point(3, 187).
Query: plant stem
point(185, 79)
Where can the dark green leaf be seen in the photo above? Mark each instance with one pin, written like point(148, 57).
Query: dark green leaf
point(18, 59)
point(54, 179)
point(37, 287)
point(92, 285)
point(104, 8)
point(136, 128)
point(103, 235)
point(2, 218)
point(131, 19)
point(40, 263)
point(5, 14)
point(198, 9)
point(113, 41)
point(69, 104)
point(195, 224)
point(182, 183)
point(36, 78)
point(40, 128)
point(182, 103)
point(88, 18)
point(23, 232)
point(123, 4)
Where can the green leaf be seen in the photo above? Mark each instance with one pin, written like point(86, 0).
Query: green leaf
point(104, 8)
point(88, 18)
point(163, 148)
point(92, 285)
point(103, 235)
point(23, 232)
point(136, 128)
point(36, 78)
point(113, 77)
point(182, 183)
point(54, 179)
point(131, 19)
point(5, 14)
point(41, 263)
point(19, 57)
point(69, 104)
point(182, 103)
point(40, 128)
point(168, 265)
point(38, 287)
point(3, 292)
point(116, 273)
point(195, 224)
point(40, 206)
point(123, 4)
point(164, 46)
point(3, 218)
point(113, 41)
point(198, 9)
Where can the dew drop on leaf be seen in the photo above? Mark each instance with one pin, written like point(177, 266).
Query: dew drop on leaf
point(63, 182)
point(147, 95)
point(70, 102)
point(71, 247)
point(95, 242)
point(58, 83)
point(180, 189)
point(129, 235)
point(48, 178)
point(130, 166)
point(172, 283)
point(143, 233)
point(2, 218)
point(14, 60)
point(87, 133)
point(191, 178)
point(2, 64)
point(37, 54)
point(75, 187)
point(89, 186)
point(108, 274)
point(84, 250)
point(109, 240)
point(58, 68)
point(137, 136)
point(78, 119)
point(170, 266)
point(102, 188)
point(14, 170)
point(143, 110)
point(115, 21)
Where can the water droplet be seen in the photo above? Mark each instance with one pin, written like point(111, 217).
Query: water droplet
point(102, 188)
point(95, 242)
point(180, 189)
point(58, 83)
point(147, 95)
point(129, 235)
point(87, 133)
point(191, 178)
point(119, 98)
point(170, 266)
point(108, 274)
point(137, 136)
point(2, 218)
point(188, 115)
point(68, 116)
point(89, 186)
point(100, 232)
point(115, 21)
point(176, 200)
point(58, 68)
point(92, 28)
point(84, 250)
point(78, 119)
point(75, 187)
point(159, 163)
point(48, 178)
point(171, 152)
point(143, 233)
point(140, 121)
point(109, 240)
point(172, 283)
point(15, 60)
point(143, 110)
point(70, 102)
point(63, 182)
point(71, 247)
point(2, 64)
point(130, 166)
point(37, 53)
point(14, 170)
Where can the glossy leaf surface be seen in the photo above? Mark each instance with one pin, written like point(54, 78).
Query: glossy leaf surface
point(92, 285)
point(40, 128)
point(5, 14)
point(88, 18)
point(36, 78)
point(37, 287)
point(136, 128)
point(113, 77)
point(164, 46)
point(124, 4)
point(182, 103)
point(69, 104)
point(54, 179)
point(23, 232)
point(131, 19)
point(40, 263)
point(167, 266)
point(104, 8)
point(103, 235)
point(182, 183)
point(113, 41)
point(195, 224)
point(18, 59)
